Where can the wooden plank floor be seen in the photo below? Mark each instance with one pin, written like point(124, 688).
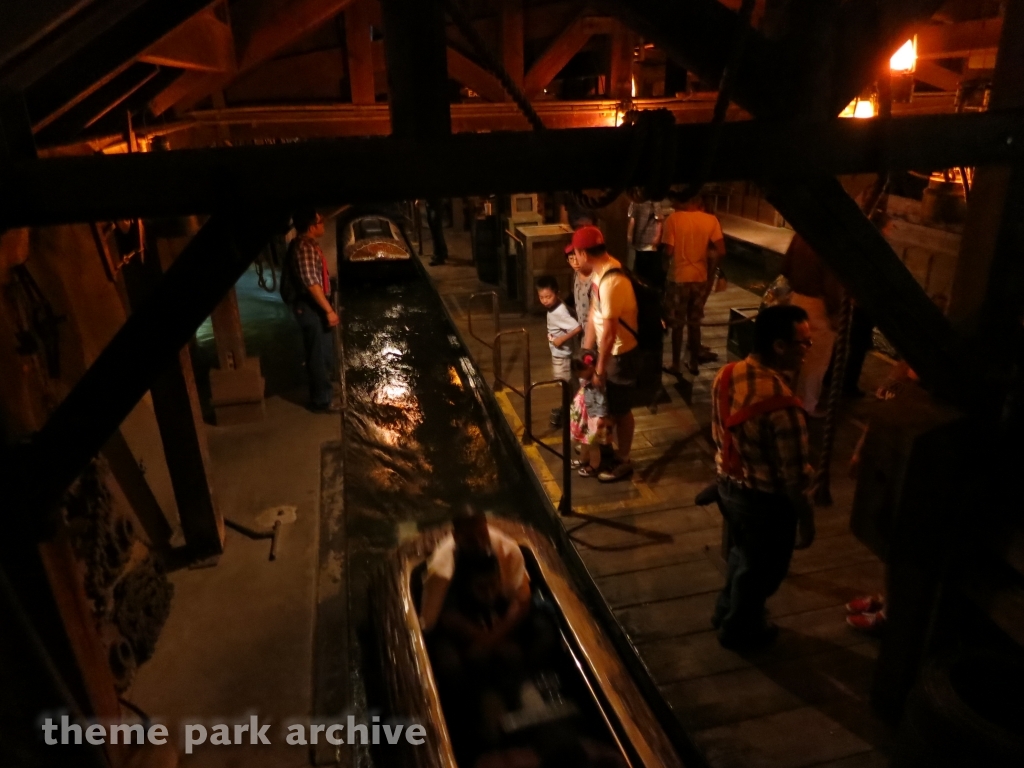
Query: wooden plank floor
point(656, 557)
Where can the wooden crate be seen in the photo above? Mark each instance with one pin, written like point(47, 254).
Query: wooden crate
point(544, 254)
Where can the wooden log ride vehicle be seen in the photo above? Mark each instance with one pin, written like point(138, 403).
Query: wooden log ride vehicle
point(587, 689)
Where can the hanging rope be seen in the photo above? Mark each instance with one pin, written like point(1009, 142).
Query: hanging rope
point(491, 64)
point(823, 478)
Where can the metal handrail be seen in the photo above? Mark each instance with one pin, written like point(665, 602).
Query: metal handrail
point(494, 313)
point(499, 382)
point(565, 504)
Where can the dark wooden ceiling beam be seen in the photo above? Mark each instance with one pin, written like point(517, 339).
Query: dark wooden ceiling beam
point(293, 21)
point(93, 108)
point(359, 51)
point(414, 47)
point(109, 54)
point(473, 76)
point(931, 73)
point(513, 51)
point(561, 50)
point(949, 41)
point(202, 43)
point(100, 188)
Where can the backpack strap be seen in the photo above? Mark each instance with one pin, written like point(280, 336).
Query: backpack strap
point(629, 276)
point(731, 461)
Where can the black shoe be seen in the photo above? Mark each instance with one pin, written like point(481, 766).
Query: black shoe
point(749, 643)
point(556, 418)
point(435, 262)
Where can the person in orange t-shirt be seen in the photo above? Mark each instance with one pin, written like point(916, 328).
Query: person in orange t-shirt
point(686, 237)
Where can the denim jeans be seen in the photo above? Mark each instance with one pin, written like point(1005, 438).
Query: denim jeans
point(763, 529)
point(319, 347)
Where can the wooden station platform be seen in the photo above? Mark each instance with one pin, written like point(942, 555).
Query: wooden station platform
point(656, 557)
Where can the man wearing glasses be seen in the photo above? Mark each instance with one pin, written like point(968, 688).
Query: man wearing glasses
point(306, 286)
point(764, 475)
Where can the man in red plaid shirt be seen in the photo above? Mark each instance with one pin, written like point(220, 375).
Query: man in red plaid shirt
point(306, 269)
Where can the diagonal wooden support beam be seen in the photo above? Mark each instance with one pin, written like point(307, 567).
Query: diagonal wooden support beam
point(474, 77)
point(289, 24)
point(698, 33)
point(108, 55)
point(512, 50)
point(146, 344)
point(562, 49)
point(202, 43)
point(821, 211)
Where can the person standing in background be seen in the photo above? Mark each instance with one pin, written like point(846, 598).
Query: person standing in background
point(817, 291)
point(643, 233)
point(686, 238)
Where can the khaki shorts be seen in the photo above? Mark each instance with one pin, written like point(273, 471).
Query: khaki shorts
point(684, 303)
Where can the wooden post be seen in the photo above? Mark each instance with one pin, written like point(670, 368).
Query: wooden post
point(620, 85)
point(180, 419)
point(145, 346)
point(987, 296)
point(360, 52)
point(512, 46)
point(415, 47)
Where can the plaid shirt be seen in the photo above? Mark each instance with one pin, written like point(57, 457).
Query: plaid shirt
point(309, 260)
point(773, 446)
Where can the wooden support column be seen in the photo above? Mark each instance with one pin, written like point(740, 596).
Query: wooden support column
point(142, 349)
point(415, 48)
point(180, 419)
point(621, 76)
point(360, 52)
point(988, 289)
point(512, 45)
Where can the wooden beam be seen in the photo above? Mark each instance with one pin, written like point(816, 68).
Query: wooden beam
point(512, 44)
point(46, 34)
point(101, 188)
point(91, 109)
point(203, 43)
point(819, 209)
point(931, 73)
point(988, 289)
point(474, 77)
point(621, 76)
point(414, 46)
point(110, 53)
point(145, 345)
point(950, 41)
point(360, 52)
point(179, 417)
point(291, 22)
point(562, 49)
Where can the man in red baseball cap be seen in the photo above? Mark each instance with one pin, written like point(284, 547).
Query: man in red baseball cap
point(611, 330)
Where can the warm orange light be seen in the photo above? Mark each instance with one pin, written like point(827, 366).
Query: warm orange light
point(859, 108)
point(905, 58)
point(633, 90)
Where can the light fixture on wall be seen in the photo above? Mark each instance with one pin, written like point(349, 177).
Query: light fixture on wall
point(901, 70)
point(860, 107)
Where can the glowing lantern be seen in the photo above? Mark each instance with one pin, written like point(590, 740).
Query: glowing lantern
point(905, 58)
point(859, 108)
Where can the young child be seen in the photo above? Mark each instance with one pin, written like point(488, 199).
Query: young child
point(589, 414)
point(562, 329)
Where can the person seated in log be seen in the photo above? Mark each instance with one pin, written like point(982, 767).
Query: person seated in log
point(472, 536)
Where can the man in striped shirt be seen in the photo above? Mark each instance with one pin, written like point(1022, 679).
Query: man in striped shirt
point(764, 475)
point(306, 269)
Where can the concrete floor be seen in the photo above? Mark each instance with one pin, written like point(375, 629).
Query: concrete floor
point(239, 639)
